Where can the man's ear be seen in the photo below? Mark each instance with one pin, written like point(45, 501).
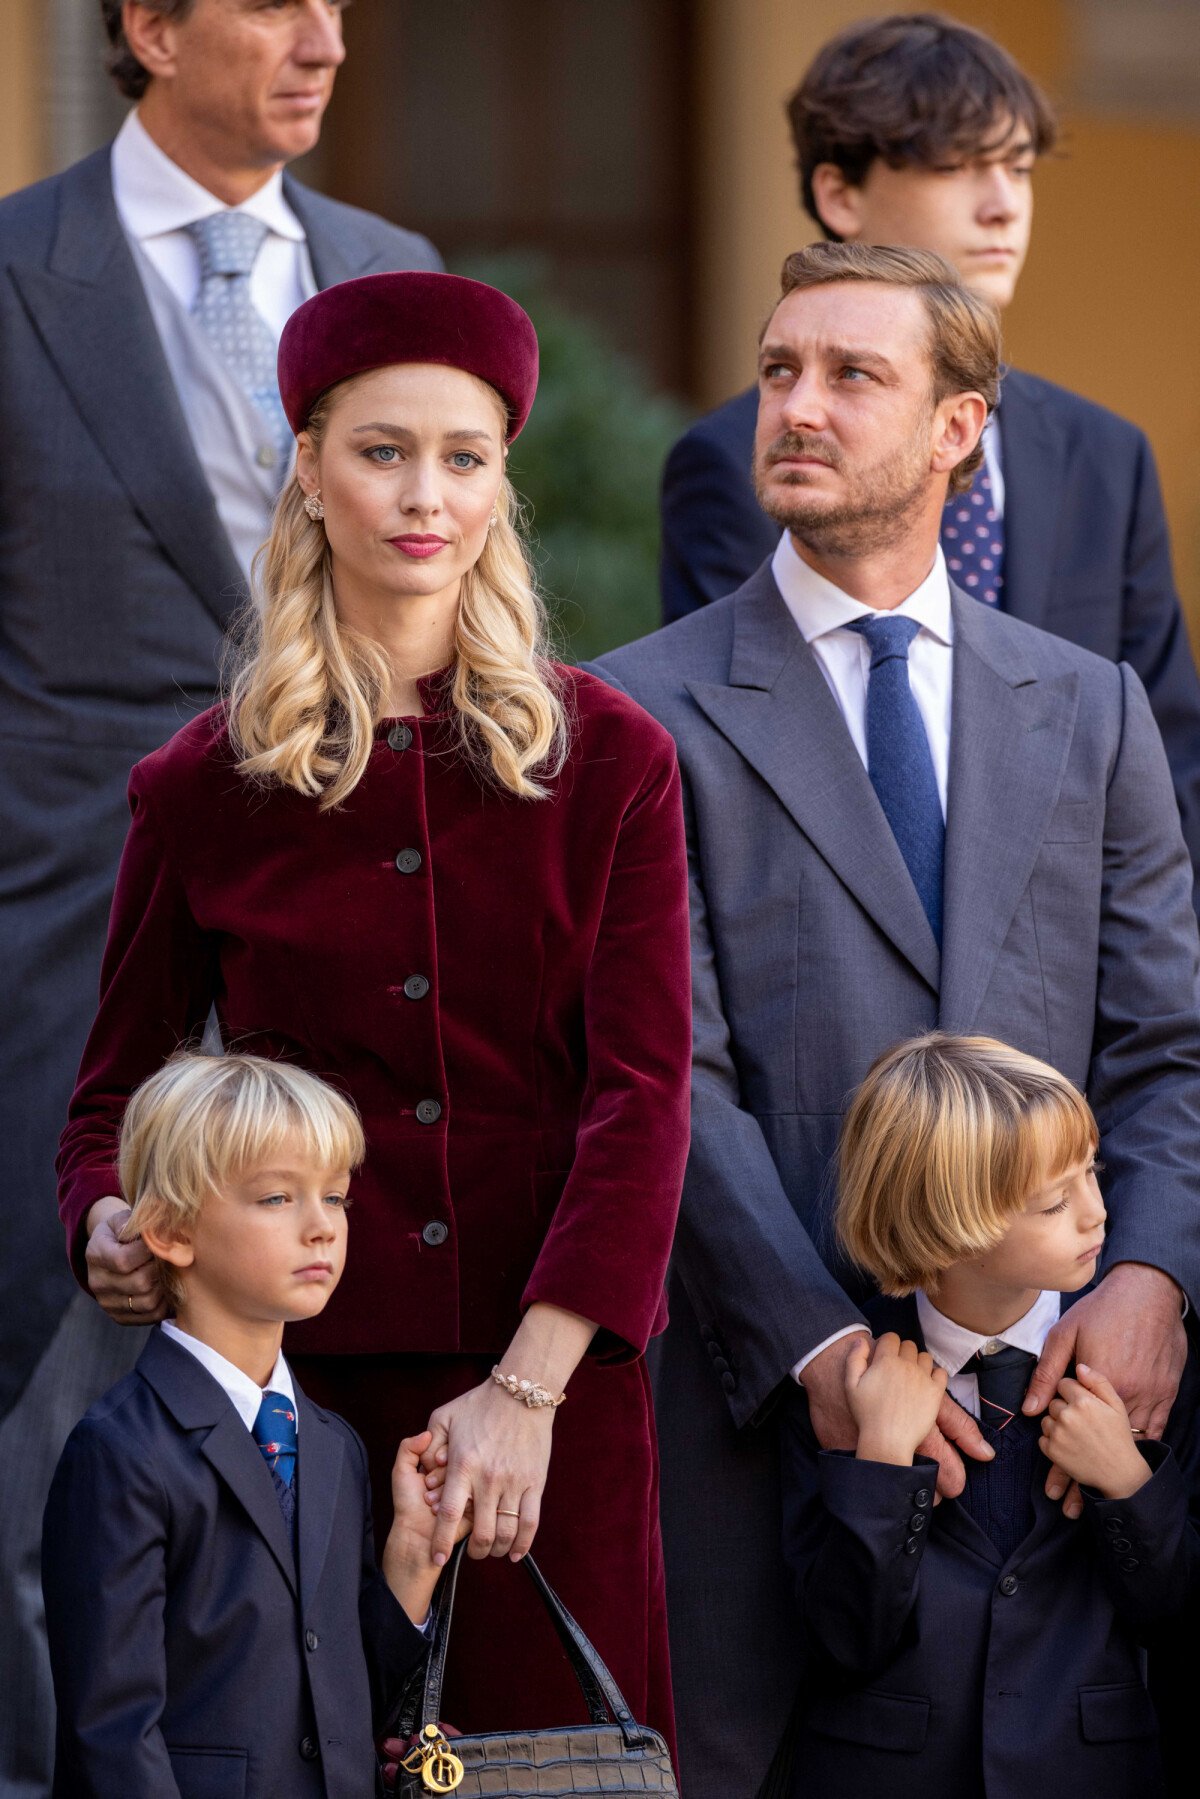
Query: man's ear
point(838, 202)
point(151, 35)
point(174, 1247)
point(958, 423)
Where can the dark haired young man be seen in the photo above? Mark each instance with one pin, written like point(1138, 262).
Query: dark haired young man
point(916, 130)
point(142, 293)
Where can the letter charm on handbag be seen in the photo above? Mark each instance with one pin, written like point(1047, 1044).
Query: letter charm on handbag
point(435, 1761)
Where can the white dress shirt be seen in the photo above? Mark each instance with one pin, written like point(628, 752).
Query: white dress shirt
point(245, 1395)
point(952, 1345)
point(822, 613)
point(156, 202)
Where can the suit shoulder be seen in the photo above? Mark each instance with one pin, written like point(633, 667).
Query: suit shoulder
point(117, 1426)
point(404, 249)
point(1047, 653)
point(198, 750)
point(1085, 417)
point(694, 648)
point(601, 712)
point(28, 216)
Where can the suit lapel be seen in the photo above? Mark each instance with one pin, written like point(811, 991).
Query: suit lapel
point(198, 1403)
point(339, 246)
point(779, 714)
point(320, 1460)
point(89, 308)
point(1009, 740)
point(1033, 449)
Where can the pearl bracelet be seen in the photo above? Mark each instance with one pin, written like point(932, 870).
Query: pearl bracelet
point(526, 1390)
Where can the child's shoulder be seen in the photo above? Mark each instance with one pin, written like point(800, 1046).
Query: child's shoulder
point(114, 1433)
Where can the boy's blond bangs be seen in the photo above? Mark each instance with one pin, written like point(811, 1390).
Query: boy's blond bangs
point(202, 1121)
point(943, 1144)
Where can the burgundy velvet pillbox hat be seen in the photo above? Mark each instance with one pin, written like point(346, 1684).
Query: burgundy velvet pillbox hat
point(379, 320)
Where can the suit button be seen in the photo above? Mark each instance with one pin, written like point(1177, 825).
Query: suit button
point(408, 861)
point(720, 1365)
point(428, 1111)
point(1121, 1545)
point(435, 1233)
point(1114, 1526)
point(416, 987)
point(911, 1545)
point(311, 1639)
point(1129, 1564)
point(918, 1521)
point(729, 1381)
point(308, 1749)
point(399, 737)
point(921, 1496)
point(1009, 1585)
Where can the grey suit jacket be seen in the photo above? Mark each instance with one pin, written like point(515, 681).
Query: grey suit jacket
point(116, 583)
point(1069, 931)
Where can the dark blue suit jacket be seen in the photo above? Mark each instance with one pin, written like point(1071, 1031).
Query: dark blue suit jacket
point(935, 1667)
point(1087, 555)
point(191, 1659)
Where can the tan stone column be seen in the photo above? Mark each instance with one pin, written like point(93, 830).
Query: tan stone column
point(22, 85)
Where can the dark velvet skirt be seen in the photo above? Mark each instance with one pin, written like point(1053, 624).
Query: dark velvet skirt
point(598, 1543)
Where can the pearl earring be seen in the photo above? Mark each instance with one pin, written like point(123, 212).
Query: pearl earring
point(494, 518)
point(313, 506)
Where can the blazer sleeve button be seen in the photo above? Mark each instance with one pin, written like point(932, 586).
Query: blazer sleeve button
point(1130, 1564)
point(921, 1496)
point(911, 1545)
point(729, 1381)
point(1009, 1585)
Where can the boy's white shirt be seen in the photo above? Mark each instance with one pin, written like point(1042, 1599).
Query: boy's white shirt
point(952, 1346)
point(245, 1395)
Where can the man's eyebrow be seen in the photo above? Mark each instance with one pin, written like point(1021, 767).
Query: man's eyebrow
point(846, 353)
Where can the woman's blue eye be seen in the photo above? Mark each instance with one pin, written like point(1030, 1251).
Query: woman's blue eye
point(465, 460)
point(385, 454)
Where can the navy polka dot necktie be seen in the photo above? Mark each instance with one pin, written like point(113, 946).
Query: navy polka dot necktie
point(973, 539)
point(275, 1434)
point(228, 244)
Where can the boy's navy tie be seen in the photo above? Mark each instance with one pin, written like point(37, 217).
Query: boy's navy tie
point(898, 758)
point(275, 1434)
point(1003, 1379)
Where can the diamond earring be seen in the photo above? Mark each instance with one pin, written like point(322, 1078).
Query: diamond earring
point(313, 506)
point(495, 518)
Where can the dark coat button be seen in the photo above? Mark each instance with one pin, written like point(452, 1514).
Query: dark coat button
point(408, 861)
point(308, 1749)
point(918, 1521)
point(311, 1639)
point(911, 1545)
point(428, 1111)
point(921, 1496)
point(435, 1233)
point(1114, 1526)
point(720, 1365)
point(729, 1381)
point(1121, 1545)
point(399, 737)
point(1129, 1564)
point(1009, 1585)
point(416, 987)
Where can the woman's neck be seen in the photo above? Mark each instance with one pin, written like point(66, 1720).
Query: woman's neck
point(977, 1304)
point(415, 632)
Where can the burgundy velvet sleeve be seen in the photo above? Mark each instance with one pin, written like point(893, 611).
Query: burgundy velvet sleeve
point(605, 1255)
point(156, 986)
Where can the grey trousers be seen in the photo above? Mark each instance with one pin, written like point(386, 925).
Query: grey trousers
point(86, 1355)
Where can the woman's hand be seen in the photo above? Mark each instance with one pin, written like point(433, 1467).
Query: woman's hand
point(894, 1392)
point(1086, 1433)
point(123, 1277)
point(496, 1455)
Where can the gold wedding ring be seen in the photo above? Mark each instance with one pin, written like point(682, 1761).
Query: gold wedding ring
point(501, 1513)
point(1135, 1430)
point(129, 1301)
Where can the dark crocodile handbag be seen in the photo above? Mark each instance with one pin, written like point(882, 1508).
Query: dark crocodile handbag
point(611, 1754)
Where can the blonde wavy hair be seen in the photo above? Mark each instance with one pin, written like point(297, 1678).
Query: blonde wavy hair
point(942, 1146)
point(306, 692)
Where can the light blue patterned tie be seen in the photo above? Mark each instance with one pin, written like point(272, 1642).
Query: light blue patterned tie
point(898, 758)
point(228, 244)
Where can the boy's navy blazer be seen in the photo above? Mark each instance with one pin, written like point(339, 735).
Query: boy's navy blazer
point(933, 1666)
point(1087, 552)
point(191, 1656)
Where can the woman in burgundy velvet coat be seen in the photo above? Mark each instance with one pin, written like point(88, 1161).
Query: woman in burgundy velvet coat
point(416, 857)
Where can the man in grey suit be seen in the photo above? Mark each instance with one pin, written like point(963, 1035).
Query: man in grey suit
point(905, 810)
point(141, 297)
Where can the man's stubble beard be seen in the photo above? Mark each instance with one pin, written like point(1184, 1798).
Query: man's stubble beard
point(870, 518)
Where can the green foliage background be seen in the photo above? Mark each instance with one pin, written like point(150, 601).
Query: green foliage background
point(588, 464)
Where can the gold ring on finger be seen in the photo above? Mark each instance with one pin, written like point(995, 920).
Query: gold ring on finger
point(1135, 1430)
point(129, 1301)
point(502, 1513)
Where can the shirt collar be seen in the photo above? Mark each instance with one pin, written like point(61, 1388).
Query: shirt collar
point(245, 1395)
point(952, 1346)
point(819, 607)
point(154, 195)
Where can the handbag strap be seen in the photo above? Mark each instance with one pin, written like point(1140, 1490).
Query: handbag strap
point(605, 1703)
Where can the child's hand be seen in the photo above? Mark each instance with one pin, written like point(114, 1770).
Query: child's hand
point(893, 1391)
point(408, 1565)
point(1086, 1433)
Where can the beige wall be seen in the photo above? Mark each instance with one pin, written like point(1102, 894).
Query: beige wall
point(22, 149)
point(1109, 298)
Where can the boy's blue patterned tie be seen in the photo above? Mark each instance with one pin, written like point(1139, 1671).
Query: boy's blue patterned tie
point(275, 1434)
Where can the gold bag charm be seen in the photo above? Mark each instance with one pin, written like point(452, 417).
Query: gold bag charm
point(435, 1761)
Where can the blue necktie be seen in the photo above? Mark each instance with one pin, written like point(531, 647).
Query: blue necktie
point(228, 244)
point(898, 758)
point(973, 539)
point(275, 1434)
